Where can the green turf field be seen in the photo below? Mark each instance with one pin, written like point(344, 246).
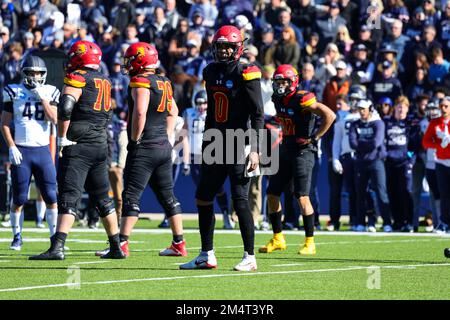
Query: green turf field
point(347, 266)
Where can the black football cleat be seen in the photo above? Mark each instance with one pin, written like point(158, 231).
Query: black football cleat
point(447, 252)
point(56, 251)
point(49, 255)
point(114, 254)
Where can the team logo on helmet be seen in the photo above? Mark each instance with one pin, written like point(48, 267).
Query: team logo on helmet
point(81, 49)
point(140, 52)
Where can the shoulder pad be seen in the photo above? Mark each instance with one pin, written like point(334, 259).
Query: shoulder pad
point(306, 98)
point(251, 73)
point(75, 79)
point(139, 82)
point(9, 93)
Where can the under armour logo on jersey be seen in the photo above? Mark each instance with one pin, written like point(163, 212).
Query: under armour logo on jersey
point(219, 82)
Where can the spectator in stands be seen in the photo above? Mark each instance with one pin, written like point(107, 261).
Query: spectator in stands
point(57, 22)
point(303, 15)
point(196, 25)
point(160, 32)
point(310, 53)
point(439, 68)
point(326, 27)
point(267, 91)
point(124, 13)
point(386, 84)
point(266, 45)
point(325, 68)
point(4, 34)
point(443, 28)
point(349, 11)
point(431, 14)
point(284, 21)
point(271, 13)
point(11, 69)
point(397, 40)
point(365, 38)
point(172, 14)
point(362, 69)
point(344, 42)
point(37, 33)
point(177, 44)
point(337, 85)
point(148, 7)
point(396, 9)
point(27, 42)
point(245, 27)
point(131, 34)
point(193, 65)
point(44, 12)
point(229, 9)
point(427, 42)
point(415, 27)
point(208, 10)
point(385, 107)
point(30, 24)
point(309, 82)
point(93, 13)
point(420, 85)
point(287, 50)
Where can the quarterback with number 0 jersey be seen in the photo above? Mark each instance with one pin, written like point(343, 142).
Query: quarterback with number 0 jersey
point(234, 100)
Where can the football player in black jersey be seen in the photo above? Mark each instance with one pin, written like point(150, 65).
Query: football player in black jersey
point(152, 119)
point(234, 100)
point(84, 111)
point(295, 110)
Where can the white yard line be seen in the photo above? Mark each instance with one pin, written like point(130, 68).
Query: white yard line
point(91, 262)
point(68, 240)
point(288, 265)
point(236, 274)
point(221, 231)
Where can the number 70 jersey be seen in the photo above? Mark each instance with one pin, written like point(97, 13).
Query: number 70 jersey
point(31, 128)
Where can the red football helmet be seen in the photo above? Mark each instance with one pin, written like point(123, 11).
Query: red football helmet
point(229, 35)
point(84, 53)
point(285, 72)
point(139, 56)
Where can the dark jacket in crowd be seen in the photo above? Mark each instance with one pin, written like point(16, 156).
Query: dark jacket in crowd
point(367, 139)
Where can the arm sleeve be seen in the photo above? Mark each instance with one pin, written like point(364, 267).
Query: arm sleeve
point(252, 82)
point(379, 134)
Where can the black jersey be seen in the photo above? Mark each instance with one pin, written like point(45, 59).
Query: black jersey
point(298, 123)
point(92, 111)
point(234, 96)
point(161, 97)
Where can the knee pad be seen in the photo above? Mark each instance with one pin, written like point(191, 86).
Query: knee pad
point(105, 207)
point(68, 208)
point(171, 207)
point(130, 209)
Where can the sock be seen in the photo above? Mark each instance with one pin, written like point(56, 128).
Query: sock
point(246, 225)
point(40, 210)
point(275, 220)
point(51, 215)
point(61, 236)
point(308, 222)
point(176, 238)
point(15, 222)
point(114, 241)
point(222, 201)
point(123, 237)
point(206, 221)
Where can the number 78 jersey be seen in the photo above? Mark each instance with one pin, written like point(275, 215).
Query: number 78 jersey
point(31, 128)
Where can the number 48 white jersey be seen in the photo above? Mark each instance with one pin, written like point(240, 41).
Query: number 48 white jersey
point(31, 128)
point(196, 126)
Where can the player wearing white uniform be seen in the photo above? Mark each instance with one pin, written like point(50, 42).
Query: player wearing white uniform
point(31, 106)
point(194, 124)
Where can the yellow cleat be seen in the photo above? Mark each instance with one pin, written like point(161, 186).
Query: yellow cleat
point(309, 247)
point(276, 243)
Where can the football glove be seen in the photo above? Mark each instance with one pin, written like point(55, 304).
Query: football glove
point(337, 166)
point(64, 142)
point(186, 169)
point(15, 156)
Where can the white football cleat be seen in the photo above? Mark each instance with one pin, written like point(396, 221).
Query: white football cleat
point(248, 263)
point(205, 260)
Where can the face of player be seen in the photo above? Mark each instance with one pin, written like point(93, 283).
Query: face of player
point(34, 78)
point(281, 86)
point(224, 51)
